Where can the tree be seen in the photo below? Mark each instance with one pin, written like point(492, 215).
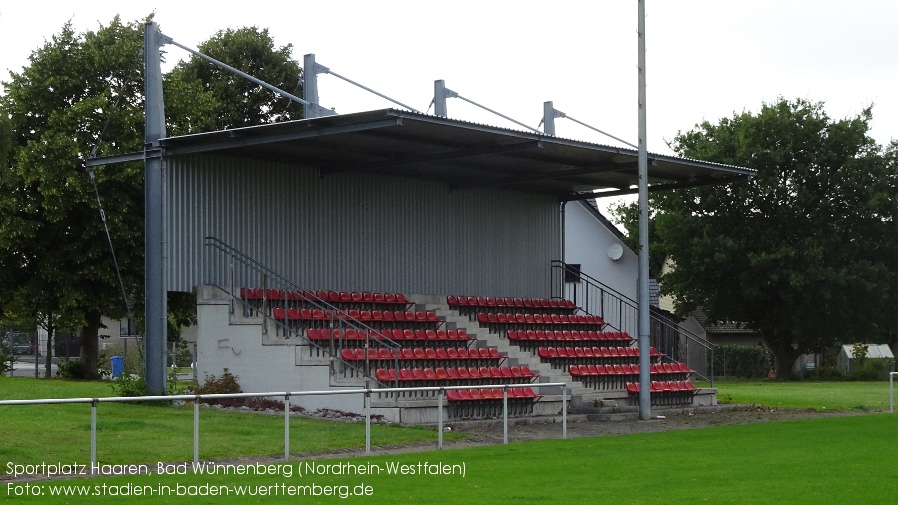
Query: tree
point(627, 215)
point(238, 101)
point(805, 253)
point(83, 93)
point(53, 246)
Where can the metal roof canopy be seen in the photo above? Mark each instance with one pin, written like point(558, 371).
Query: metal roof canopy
point(458, 153)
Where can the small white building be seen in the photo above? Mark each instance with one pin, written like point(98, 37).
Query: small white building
point(847, 361)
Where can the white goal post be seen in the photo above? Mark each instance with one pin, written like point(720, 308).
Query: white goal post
point(892, 391)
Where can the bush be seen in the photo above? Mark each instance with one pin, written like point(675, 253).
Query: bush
point(128, 384)
point(7, 359)
point(132, 382)
point(225, 384)
point(741, 361)
point(69, 369)
point(826, 373)
point(182, 358)
point(871, 369)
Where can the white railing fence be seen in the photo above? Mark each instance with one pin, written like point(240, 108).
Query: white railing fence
point(196, 399)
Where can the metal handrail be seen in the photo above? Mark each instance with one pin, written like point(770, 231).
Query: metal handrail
point(609, 297)
point(339, 320)
point(197, 398)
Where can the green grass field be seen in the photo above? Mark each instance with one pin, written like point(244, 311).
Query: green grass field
point(136, 433)
point(812, 395)
point(833, 460)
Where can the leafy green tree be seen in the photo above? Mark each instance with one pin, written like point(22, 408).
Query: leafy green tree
point(805, 253)
point(627, 215)
point(238, 101)
point(53, 245)
point(83, 94)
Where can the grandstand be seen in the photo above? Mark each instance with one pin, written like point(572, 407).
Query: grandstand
point(390, 248)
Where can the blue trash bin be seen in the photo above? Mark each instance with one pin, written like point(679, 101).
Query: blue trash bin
point(118, 365)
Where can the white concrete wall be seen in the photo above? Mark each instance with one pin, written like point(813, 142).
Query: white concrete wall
point(261, 368)
point(586, 241)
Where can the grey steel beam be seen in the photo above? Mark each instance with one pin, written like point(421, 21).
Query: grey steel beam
point(310, 71)
point(549, 118)
point(471, 152)
point(645, 402)
point(550, 174)
point(115, 159)
point(440, 94)
point(285, 137)
point(658, 187)
point(154, 213)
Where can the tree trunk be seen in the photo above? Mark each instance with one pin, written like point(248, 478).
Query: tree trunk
point(785, 356)
point(90, 346)
point(48, 357)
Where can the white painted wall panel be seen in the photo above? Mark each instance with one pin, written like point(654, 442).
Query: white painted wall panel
point(586, 243)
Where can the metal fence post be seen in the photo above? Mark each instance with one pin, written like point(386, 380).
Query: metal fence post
point(196, 429)
point(440, 419)
point(891, 392)
point(286, 426)
point(505, 414)
point(93, 435)
point(564, 410)
point(367, 422)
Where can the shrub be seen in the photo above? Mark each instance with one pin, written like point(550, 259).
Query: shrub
point(128, 384)
point(826, 373)
point(7, 359)
point(69, 369)
point(225, 384)
point(871, 369)
point(742, 361)
point(132, 382)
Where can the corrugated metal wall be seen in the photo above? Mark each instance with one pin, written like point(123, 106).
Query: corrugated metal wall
point(357, 231)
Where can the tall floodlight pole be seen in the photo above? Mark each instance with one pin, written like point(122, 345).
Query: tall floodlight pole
point(154, 261)
point(645, 402)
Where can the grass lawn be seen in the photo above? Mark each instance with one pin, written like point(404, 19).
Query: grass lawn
point(839, 460)
point(135, 433)
point(833, 460)
point(807, 394)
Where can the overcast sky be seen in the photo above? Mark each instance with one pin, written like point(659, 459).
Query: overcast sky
point(705, 59)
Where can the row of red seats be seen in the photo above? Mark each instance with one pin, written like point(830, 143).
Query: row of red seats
point(480, 301)
point(293, 314)
point(455, 395)
point(527, 335)
point(324, 296)
point(587, 370)
point(519, 318)
point(460, 373)
point(419, 353)
point(594, 352)
point(665, 387)
point(394, 334)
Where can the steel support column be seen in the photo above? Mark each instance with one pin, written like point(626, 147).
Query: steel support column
point(154, 248)
point(645, 402)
